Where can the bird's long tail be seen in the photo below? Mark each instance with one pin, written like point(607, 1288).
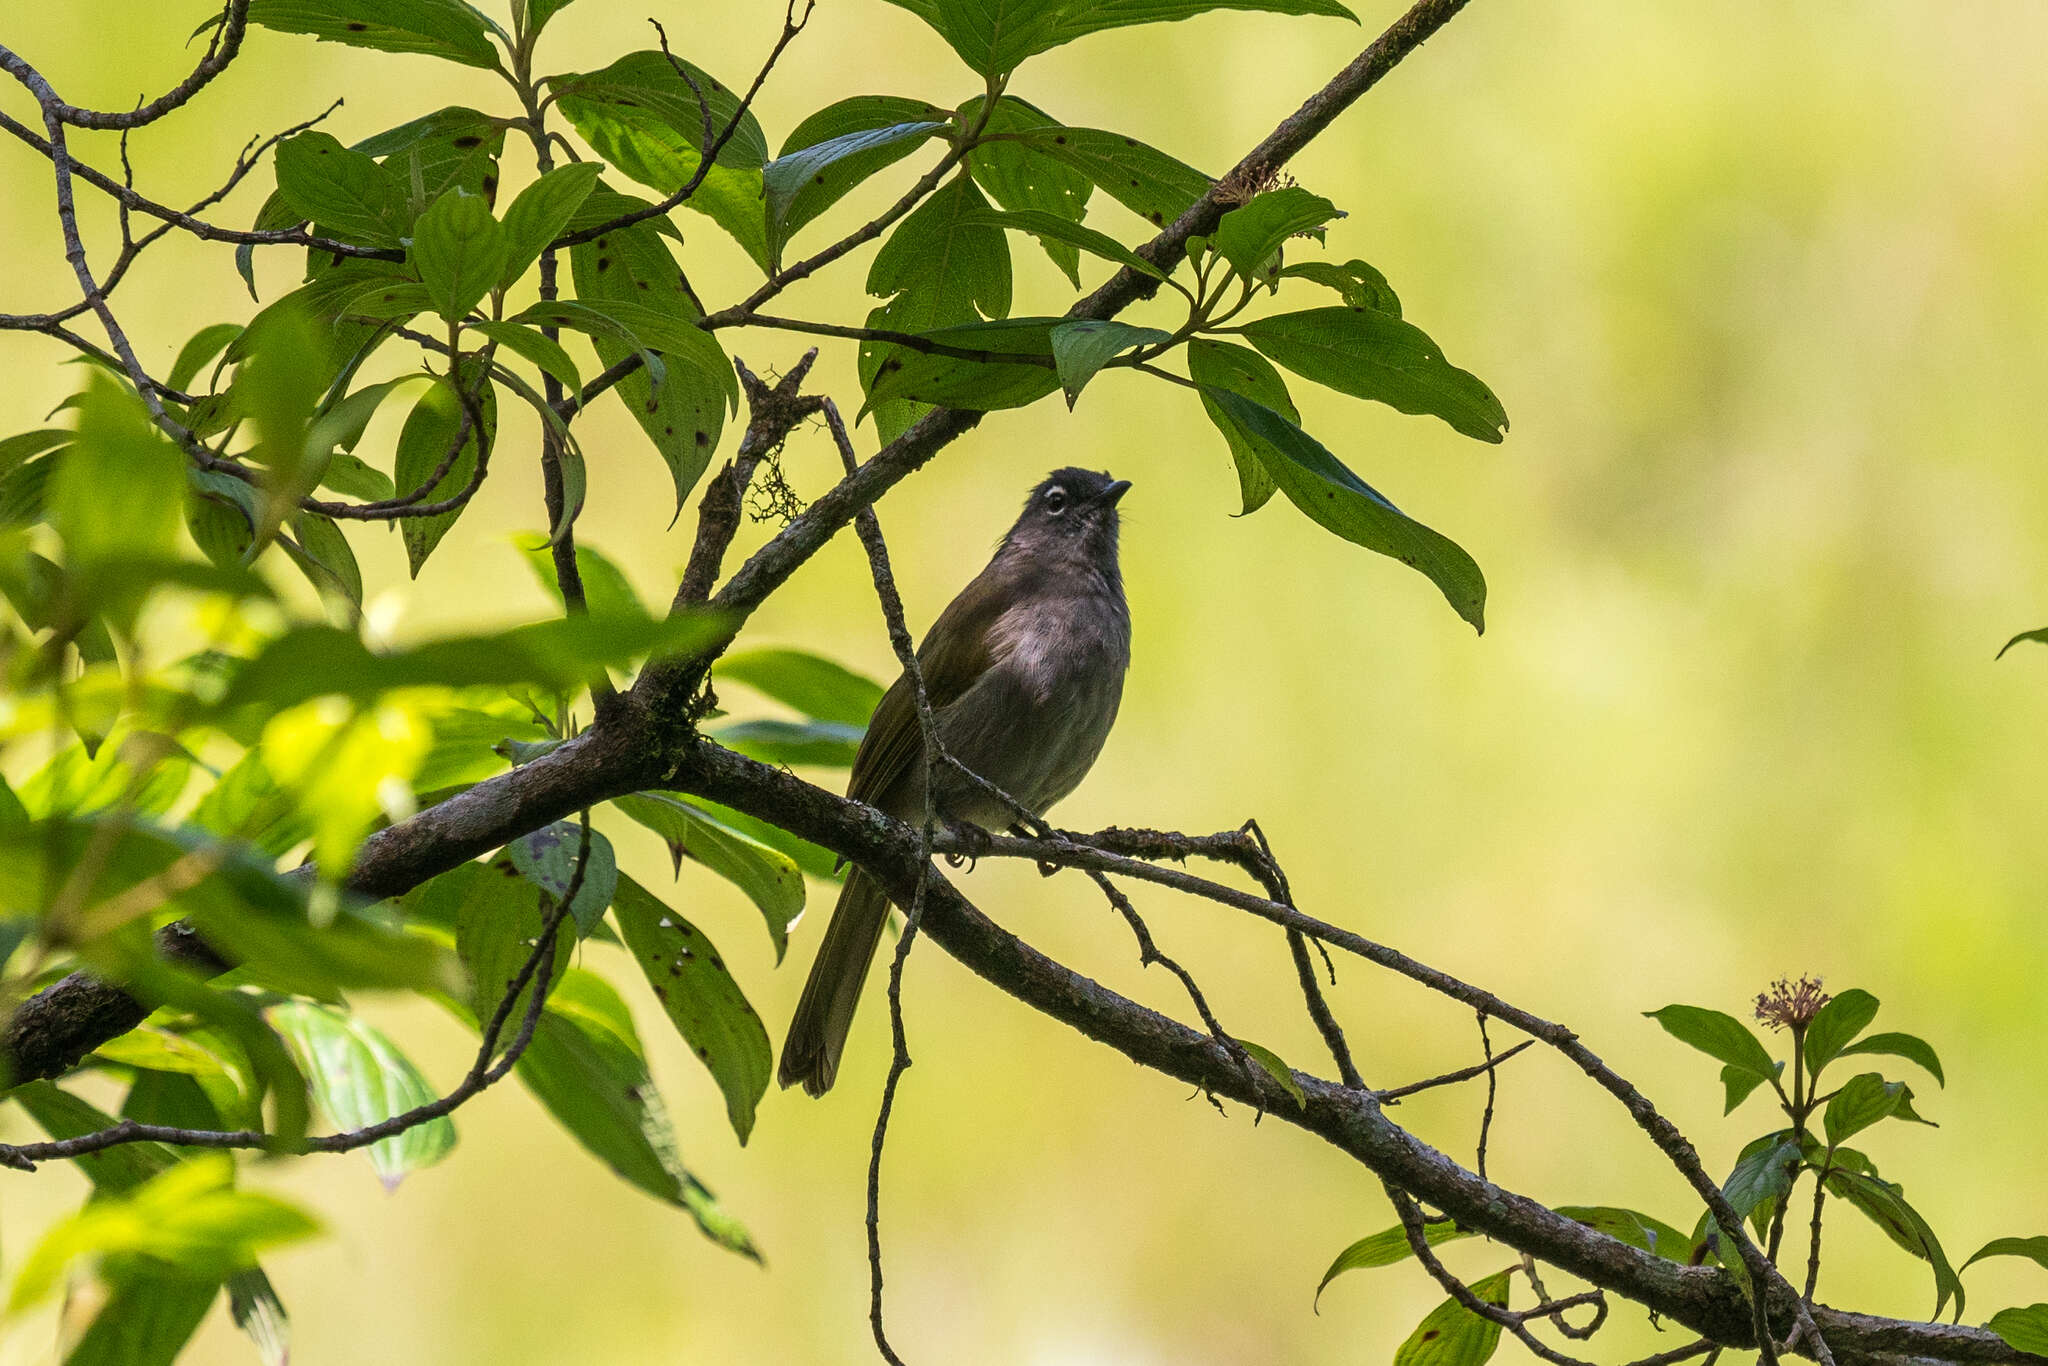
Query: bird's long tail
point(817, 1033)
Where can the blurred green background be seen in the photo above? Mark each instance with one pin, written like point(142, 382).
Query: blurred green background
point(1762, 289)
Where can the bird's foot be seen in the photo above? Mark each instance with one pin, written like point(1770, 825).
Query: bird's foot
point(974, 843)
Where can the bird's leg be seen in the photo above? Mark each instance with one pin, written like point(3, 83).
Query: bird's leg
point(1046, 868)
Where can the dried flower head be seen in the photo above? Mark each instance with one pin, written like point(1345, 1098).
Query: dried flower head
point(1789, 1004)
point(1247, 183)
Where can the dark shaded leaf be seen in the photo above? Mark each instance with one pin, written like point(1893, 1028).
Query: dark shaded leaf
point(1885, 1205)
point(1633, 1227)
point(2026, 1329)
point(1027, 181)
point(768, 876)
point(1863, 1101)
point(1143, 179)
point(700, 997)
point(1740, 1081)
point(1835, 1025)
point(1243, 371)
point(1763, 1174)
point(836, 149)
point(1373, 355)
point(982, 385)
point(547, 858)
point(448, 29)
point(423, 444)
point(808, 683)
point(341, 189)
point(1322, 486)
point(2034, 1250)
point(1718, 1035)
point(993, 36)
point(1082, 348)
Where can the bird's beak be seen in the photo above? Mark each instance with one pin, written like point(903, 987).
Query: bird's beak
point(1108, 497)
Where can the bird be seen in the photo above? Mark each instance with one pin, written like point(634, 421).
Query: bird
point(1024, 671)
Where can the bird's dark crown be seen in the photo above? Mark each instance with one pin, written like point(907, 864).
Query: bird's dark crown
point(1072, 490)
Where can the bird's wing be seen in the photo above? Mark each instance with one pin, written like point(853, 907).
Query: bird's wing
point(954, 655)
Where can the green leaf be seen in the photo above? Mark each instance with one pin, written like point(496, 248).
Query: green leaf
point(2039, 634)
point(925, 377)
point(644, 119)
point(530, 344)
point(259, 1313)
point(1718, 1035)
point(1027, 181)
point(455, 148)
point(118, 490)
point(1453, 1335)
point(323, 553)
point(1740, 1081)
point(629, 278)
point(496, 916)
point(193, 356)
point(460, 251)
point(768, 876)
point(585, 1064)
point(1885, 1205)
point(248, 805)
point(63, 1115)
point(316, 661)
point(938, 269)
point(818, 862)
point(361, 1078)
point(190, 1216)
point(1249, 234)
point(1373, 355)
point(605, 588)
point(540, 11)
point(1907, 1046)
point(826, 744)
point(2026, 1329)
point(1243, 371)
point(541, 213)
point(993, 36)
point(1051, 229)
point(1357, 283)
point(1322, 486)
point(700, 997)
point(2033, 1249)
point(808, 683)
point(1633, 1227)
point(1275, 1066)
point(547, 858)
point(836, 149)
point(448, 29)
point(423, 444)
point(1082, 348)
point(1835, 1024)
point(1143, 179)
point(1863, 1101)
point(1386, 1248)
point(150, 1314)
point(341, 189)
point(1763, 1174)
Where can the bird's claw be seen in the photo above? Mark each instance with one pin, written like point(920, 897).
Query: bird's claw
point(974, 842)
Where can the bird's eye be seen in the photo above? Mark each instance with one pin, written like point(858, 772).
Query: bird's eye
point(1056, 501)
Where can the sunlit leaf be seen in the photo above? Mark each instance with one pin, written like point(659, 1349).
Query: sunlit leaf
point(1386, 1248)
point(361, 1078)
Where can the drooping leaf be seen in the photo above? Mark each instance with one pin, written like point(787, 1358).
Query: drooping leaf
point(700, 997)
point(548, 858)
point(254, 1305)
point(1242, 371)
point(1322, 486)
point(193, 356)
point(448, 29)
point(1080, 349)
point(1739, 1082)
point(1275, 1066)
point(361, 1078)
point(768, 876)
point(1884, 1204)
point(1357, 283)
point(1373, 355)
point(423, 446)
point(150, 1314)
point(530, 343)
point(1386, 1248)
point(1764, 1172)
point(1453, 1335)
point(586, 1066)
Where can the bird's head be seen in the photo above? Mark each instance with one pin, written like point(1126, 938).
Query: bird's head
point(1071, 515)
